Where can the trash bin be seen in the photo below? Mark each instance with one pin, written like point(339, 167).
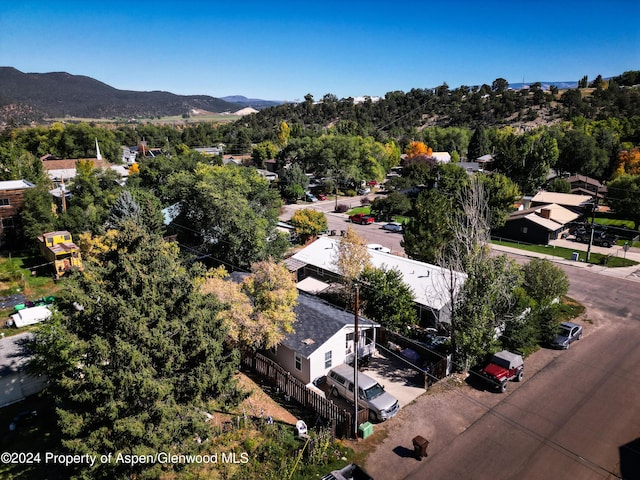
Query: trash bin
point(420, 445)
point(575, 256)
point(365, 429)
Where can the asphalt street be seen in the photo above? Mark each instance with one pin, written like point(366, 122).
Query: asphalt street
point(575, 416)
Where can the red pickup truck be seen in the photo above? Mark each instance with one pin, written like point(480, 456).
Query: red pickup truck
point(362, 219)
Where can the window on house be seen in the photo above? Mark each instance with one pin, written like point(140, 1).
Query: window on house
point(327, 359)
point(4, 202)
point(524, 229)
point(7, 222)
point(298, 361)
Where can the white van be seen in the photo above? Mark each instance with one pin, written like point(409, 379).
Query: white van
point(381, 405)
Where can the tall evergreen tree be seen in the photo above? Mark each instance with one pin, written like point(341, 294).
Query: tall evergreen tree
point(479, 144)
point(134, 355)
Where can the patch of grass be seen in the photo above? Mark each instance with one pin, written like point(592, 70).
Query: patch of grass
point(614, 222)
point(569, 308)
point(17, 276)
point(366, 210)
point(567, 254)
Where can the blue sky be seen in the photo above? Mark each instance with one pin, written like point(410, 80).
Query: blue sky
point(283, 50)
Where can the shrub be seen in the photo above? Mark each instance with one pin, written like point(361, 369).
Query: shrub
point(350, 193)
point(341, 208)
point(365, 201)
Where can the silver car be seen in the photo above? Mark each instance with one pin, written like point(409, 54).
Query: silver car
point(567, 333)
point(382, 405)
point(393, 227)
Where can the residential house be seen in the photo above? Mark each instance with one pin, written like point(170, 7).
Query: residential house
point(65, 170)
point(583, 185)
point(11, 201)
point(59, 249)
point(537, 225)
point(577, 203)
point(324, 337)
point(442, 157)
point(433, 287)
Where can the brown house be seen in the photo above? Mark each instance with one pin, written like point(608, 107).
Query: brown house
point(11, 201)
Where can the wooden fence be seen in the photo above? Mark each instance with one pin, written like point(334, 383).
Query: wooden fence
point(340, 420)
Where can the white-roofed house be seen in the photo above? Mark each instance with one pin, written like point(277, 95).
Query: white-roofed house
point(433, 286)
point(577, 203)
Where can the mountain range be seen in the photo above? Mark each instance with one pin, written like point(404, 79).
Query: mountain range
point(33, 97)
point(29, 97)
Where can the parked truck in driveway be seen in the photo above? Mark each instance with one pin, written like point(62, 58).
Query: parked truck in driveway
point(362, 219)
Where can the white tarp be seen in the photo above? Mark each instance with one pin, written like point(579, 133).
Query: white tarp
point(30, 316)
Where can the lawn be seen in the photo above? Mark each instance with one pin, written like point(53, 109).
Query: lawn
point(17, 279)
point(567, 254)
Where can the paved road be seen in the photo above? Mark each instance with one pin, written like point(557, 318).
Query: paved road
point(569, 419)
point(336, 221)
point(576, 415)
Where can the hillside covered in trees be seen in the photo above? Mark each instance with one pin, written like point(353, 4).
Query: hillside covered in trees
point(31, 97)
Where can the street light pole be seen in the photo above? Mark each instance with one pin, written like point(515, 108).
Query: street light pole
point(593, 221)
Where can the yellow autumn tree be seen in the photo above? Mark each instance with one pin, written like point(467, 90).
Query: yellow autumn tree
point(628, 163)
point(418, 148)
point(91, 246)
point(258, 312)
point(284, 132)
point(351, 258)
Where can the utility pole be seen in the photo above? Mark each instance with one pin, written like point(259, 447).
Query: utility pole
point(355, 362)
point(593, 220)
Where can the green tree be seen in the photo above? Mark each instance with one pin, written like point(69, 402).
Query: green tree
point(544, 281)
point(502, 194)
point(393, 204)
point(37, 215)
point(623, 196)
point(293, 182)
point(579, 153)
point(262, 152)
point(387, 299)
point(559, 185)
point(230, 213)
point(479, 144)
point(134, 356)
point(429, 232)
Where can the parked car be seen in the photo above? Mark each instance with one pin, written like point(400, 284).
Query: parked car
point(378, 247)
point(362, 219)
point(382, 405)
point(350, 472)
point(600, 236)
point(310, 197)
point(364, 191)
point(567, 333)
point(321, 196)
point(393, 227)
point(502, 367)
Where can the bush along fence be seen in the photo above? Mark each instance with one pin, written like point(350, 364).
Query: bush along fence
point(340, 421)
